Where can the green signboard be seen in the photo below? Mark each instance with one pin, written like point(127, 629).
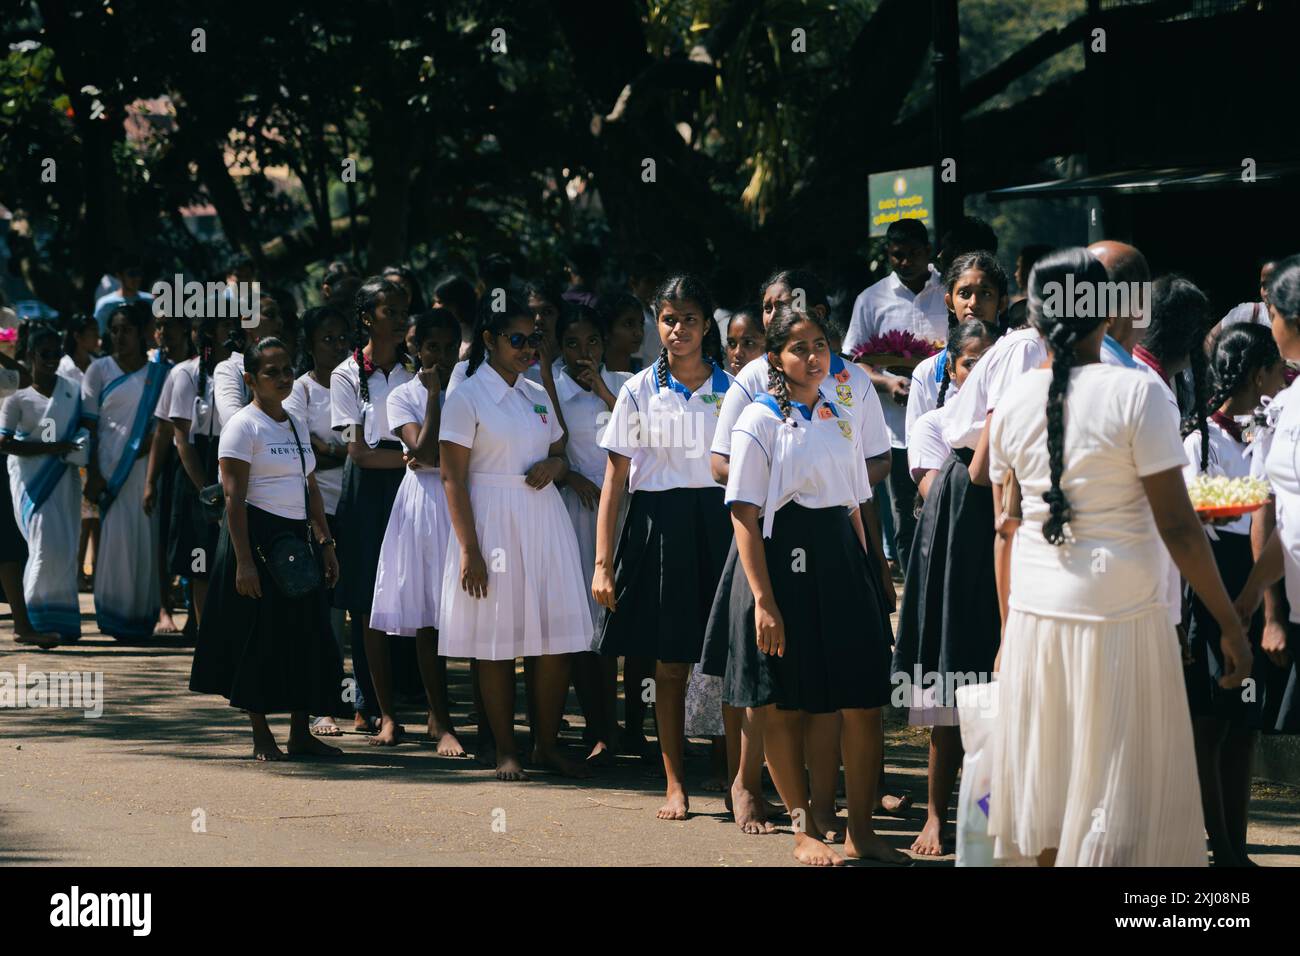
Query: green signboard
point(901, 194)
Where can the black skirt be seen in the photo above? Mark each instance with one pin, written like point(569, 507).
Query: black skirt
point(13, 546)
point(1201, 676)
point(268, 655)
point(666, 571)
point(837, 631)
point(950, 621)
point(1280, 708)
point(190, 530)
point(364, 505)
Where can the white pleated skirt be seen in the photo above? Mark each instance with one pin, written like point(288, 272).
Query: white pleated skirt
point(1093, 748)
point(535, 603)
point(584, 528)
point(408, 583)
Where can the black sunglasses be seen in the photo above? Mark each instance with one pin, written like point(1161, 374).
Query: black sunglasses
point(517, 340)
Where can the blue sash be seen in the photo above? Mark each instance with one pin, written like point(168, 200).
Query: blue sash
point(37, 491)
point(155, 375)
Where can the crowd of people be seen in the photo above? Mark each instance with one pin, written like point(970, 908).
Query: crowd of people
point(715, 502)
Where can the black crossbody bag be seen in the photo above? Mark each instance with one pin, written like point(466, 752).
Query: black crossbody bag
point(212, 499)
point(292, 561)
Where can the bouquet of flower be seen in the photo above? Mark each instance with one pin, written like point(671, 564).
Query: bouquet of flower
point(896, 351)
point(9, 334)
point(1223, 497)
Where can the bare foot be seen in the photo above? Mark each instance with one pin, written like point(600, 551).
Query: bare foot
point(363, 724)
point(930, 841)
point(166, 623)
point(508, 768)
point(325, 727)
point(749, 812)
point(831, 828)
point(266, 750)
point(714, 785)
point(38, 639)
point(310, 746)
point(390, 733)
point(601, 755)
point(553, 759)
point(895, 806)
point(874, 848)
point(813, 852)
point(676, 807)
point(449, 744)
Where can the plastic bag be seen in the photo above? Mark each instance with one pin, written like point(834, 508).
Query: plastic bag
point(977, 709)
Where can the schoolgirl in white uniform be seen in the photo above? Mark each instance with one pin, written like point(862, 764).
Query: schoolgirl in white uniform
point(512, 582)
point(795, 481)
point(1245, 367)
point(659, 585)
point(587, 392)
point(230, 391)
point(408, 580)
point(359, 389)
point(80, 344)
point(850, 387)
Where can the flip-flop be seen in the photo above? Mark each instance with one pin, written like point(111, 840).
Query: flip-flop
point(43, 640)
point(321, 729)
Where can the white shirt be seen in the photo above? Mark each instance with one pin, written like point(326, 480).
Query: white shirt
point(533, 373)
point(923, 396)
point(814, 462)
point(651, 344)
point(508, 428)
point(1248, 312)
point(585, 416)
point(926, 448)
point(1118, 430)
point(847, 385)
point(310, 402)
point(68, 369)
point(163, 410)
point(21, 414)
point(666, 433)
point(185, 402)
point(1283, 470)
point(347, 408)
point(228, 388)
point(274, 469)
point(888, 306)
point(407, 405)
point(1227, 457)
point(998, 369)
point(1173, 579)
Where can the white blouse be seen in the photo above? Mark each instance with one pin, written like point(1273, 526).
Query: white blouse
point(347, 408)
point(1227, 457)
point(310, 402)
point(926, 448)
point(185, 402)
point(998, 369)
point(585, 416)
point(1283, 471)
point(230, 394)
point(666, 432)
point(813, 461)
point(508, 428)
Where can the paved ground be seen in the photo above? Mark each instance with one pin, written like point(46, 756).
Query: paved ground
point(132, 786)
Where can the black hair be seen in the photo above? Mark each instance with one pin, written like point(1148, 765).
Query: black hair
point(1236, 353)
point(458, 292)
point(958, 339)
point(336, 270)
point(1062, 331)
point(74, 326)
point(575, 312)
point(253, 354)
point(312, 320)
point(417, 303)
point(237, 263)
point(1030, 254)
point(980, 259)
point(585, 260)
point(369, 297)
point(1180, 320)
point(966, 235)
point(139, 316)
point(784, 319)
point(547, 289)
point(814, 291)
point(433, 320)
point(612, 306)
point(753, 311)
point(491, 320)
point(903, 231)
point(681, 288)
point(495, 270)
point(1284, 289)
point(32, 332)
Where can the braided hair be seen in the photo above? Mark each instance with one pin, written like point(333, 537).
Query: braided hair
point(960, 337)
point(492, 321)
point(1237, 352)
point(1180, 320)
point(370, 297)
point(779, 327)
point(682, 288)
point(1062, 332)
point(985, 262)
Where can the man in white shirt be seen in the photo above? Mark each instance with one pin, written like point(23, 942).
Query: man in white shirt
point(1256, 312)
point(644, 274)
point(130, 273)
point(909, 299)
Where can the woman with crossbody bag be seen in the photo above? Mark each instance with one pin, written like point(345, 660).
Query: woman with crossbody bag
point(264, 641)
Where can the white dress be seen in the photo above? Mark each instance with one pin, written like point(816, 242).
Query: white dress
point(535, 603)
point(1092, 753)
point(408, 582)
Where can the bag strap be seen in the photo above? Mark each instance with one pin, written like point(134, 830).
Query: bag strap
point(302, 461)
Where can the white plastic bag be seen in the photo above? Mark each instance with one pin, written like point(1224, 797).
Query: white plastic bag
point(977, 709)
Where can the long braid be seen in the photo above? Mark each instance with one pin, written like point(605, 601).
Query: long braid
point(947, 379)
point(1056, 527)
point(661, 368)
point(1238, 352)
point(778, 389)
point(1199, 399)
point(359, 357)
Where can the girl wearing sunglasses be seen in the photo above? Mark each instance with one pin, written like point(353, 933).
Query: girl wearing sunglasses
point(512, 583)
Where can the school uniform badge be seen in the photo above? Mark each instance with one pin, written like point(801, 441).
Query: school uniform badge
point(845, 428)
point(844, 394)
point(842, 375)
point(825, 412)
point(541, 410)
